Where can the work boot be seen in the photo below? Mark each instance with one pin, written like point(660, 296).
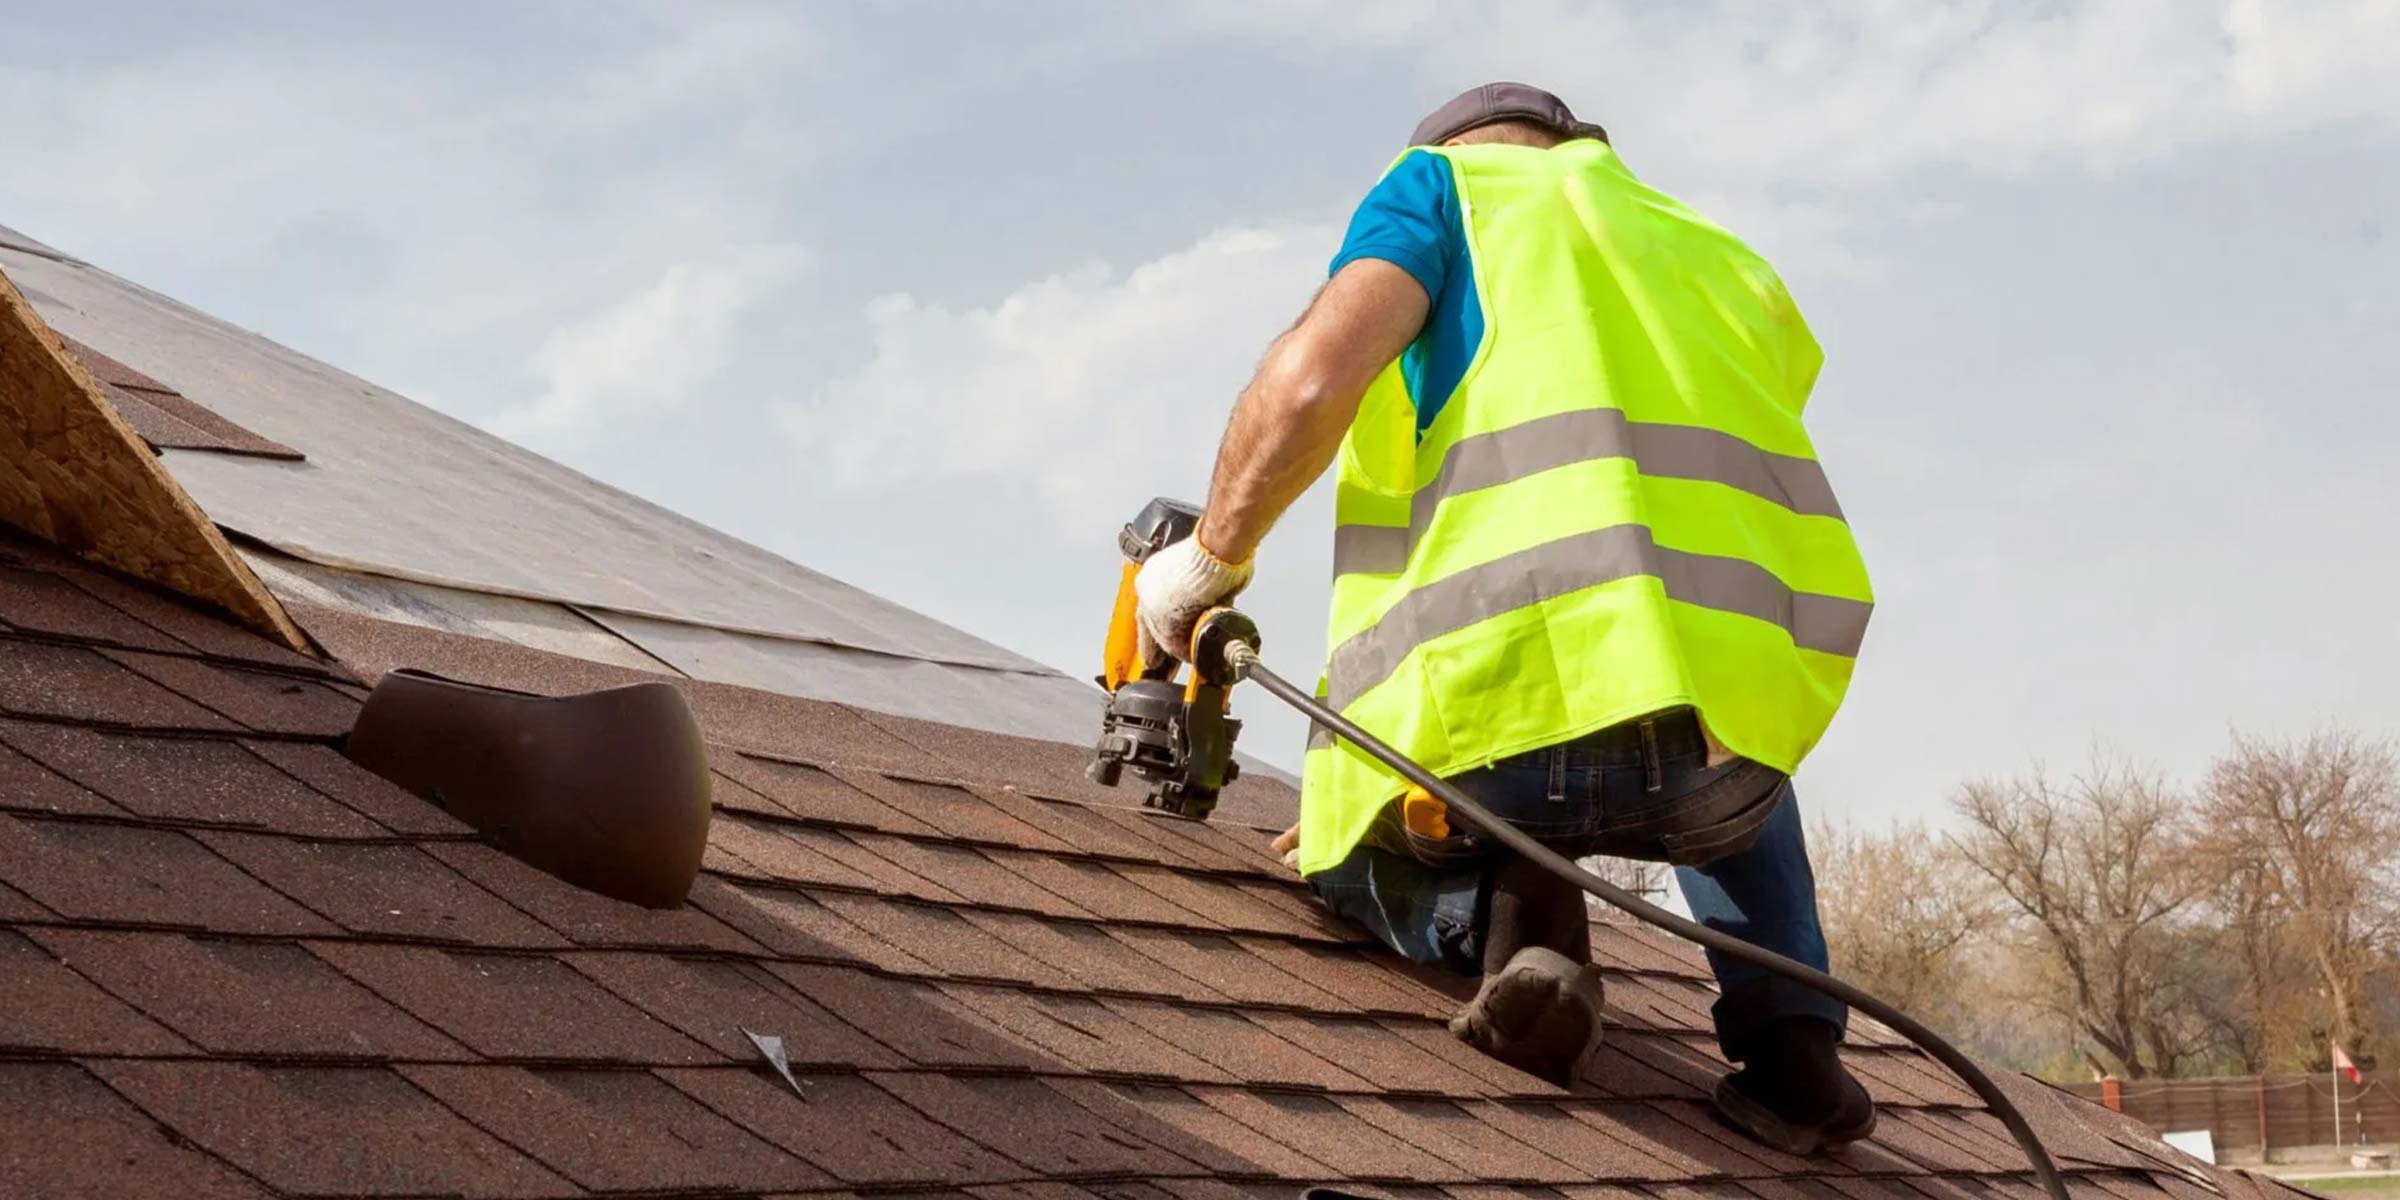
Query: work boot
point(1540, 1014)
point(1793, 1092)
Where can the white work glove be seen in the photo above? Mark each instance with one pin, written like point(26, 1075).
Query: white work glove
point(1172, 589)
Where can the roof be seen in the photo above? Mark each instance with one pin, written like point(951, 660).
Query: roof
point(240, 966)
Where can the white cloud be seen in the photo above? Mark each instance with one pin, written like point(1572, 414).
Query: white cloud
point(1849, 92)
point(1080, 381)
point(656, 349)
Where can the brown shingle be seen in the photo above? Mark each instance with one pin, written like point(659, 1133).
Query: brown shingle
point(848, 1127)
point(382, 890)
point(73, 683)
point(589, 918)
point(39, 602)
point(1483, 1150)
point(790, 923)
point(811, 793)
point(989, 878)
point(122, 875)
point(70, 1138)
point(713, 1000)
point(187, 779)
point(1373, 1052)
point(614, 1131)
point(50, 1006)
point(1236, 1045)
point(916, 1020)
point(1097, 961)
point(1175, 1119)
point(28, 786)
point(1101, 891)
point(1320, 1129)
point(264, 701)
point(1032, 1124)
point(372, 796)
point(1225, 968)
point(328, 1130)
point(512, 1005)
point(1085, 1033)
point(955, 811)
point(944, 941)
point(247, 997)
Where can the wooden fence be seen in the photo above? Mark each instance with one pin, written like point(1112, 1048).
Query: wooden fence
point(2251, 1116)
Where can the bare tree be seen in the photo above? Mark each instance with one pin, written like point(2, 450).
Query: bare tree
point(2099, 869)
point(1901, 911)
point(2313, 823)
point(1645, 879)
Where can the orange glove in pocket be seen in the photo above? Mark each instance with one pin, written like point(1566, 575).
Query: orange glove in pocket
point(1424, 815)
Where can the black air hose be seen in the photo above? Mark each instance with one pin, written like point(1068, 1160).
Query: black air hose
point(1244, 663)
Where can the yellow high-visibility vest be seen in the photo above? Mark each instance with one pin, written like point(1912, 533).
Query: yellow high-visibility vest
point(1616, 513)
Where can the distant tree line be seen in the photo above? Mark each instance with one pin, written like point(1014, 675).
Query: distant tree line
point(2113, 921)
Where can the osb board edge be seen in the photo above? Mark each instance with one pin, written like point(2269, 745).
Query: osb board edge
point(74, 473)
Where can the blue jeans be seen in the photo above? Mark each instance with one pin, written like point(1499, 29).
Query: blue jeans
point(1431, 901)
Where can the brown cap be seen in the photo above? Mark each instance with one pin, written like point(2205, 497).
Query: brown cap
point(1477, 107)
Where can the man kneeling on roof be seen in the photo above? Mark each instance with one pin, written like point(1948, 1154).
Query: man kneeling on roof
point(1587, 568)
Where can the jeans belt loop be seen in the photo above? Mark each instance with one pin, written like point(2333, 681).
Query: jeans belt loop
point(1558, 775)
point(1653, 776)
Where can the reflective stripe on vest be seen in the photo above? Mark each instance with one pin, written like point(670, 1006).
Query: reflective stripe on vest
point(1616, 513)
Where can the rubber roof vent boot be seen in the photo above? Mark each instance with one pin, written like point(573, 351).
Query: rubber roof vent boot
point(607, 790)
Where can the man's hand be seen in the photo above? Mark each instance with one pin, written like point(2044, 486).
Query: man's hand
point(1173, 588)
point(1287, 845)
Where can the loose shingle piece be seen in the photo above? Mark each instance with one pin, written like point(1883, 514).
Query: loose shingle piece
point(235, 965)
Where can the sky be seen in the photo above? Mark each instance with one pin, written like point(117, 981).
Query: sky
point(931, 297)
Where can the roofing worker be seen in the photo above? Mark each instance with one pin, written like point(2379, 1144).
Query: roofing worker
point(1586, 567)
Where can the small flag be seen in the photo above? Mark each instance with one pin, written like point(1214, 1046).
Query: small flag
point(2342, 1063)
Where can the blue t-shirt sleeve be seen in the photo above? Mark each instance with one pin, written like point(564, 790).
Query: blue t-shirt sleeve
point(1410, 220)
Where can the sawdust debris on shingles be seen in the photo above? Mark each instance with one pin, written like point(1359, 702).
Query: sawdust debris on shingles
point(205, 780)
point(1083, 1032)
point(260, 701)
point(123, 875)
point(588, 918)
point(76, 683)
point(845, 1126)
point(615, 1131)
point(54, 1008)
point(63, 1121)
point(713, 1000)
point(512, 1006)
point(915, 1020)
point(247, 997)
point(382, 890)
point(1032, 1124)
point(328, 1130)
point(324, 769)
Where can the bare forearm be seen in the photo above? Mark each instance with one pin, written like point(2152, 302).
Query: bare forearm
point(1285, 430)
point(1289, 422)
